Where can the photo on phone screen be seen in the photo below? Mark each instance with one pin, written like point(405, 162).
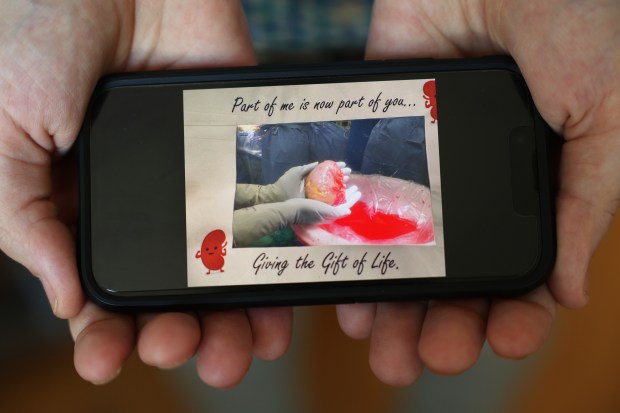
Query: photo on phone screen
point(367, 147)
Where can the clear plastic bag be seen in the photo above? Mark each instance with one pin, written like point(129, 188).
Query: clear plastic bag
point(406, 203)
point(397, 147)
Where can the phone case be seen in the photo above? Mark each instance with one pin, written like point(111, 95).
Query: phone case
point(351, 289)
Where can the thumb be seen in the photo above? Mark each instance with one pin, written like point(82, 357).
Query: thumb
point(306, 169)
point(586, 203)
point(51, 257)
point(30, 231)
point(310, 211)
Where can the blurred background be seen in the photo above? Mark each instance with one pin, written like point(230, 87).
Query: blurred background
point(324, 371)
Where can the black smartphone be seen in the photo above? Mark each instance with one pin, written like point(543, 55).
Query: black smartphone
point(199, 188)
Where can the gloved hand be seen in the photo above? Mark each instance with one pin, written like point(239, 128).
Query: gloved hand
point(291, 184)
point(252, 223)
point(352, 195)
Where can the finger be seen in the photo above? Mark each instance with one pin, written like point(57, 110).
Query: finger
point(271, 331)
point(225, 352)
point(518, 327)
point(352, 195)
point(351, 190)
point(167, 340)
point(575, 245)
point(306, 169)
point(103, 341)
point(320, 211)
point(356, 320)
point(346, 172)
point(343, 167)
point(453, 334)
point(394, 340)
point(339, 211)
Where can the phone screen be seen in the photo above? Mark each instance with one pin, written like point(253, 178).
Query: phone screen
point(237, 141)
point(445, 165)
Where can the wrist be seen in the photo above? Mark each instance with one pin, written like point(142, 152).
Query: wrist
point(270, 193)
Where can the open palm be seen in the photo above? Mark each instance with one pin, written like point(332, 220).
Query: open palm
point(51, 57)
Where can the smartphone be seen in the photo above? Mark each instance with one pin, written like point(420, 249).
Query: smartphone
point(182, 174)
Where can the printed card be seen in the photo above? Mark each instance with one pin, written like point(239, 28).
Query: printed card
point(312, 183)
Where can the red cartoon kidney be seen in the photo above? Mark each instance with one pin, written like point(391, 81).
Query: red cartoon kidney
point(431, 99)
point(213, 251)
point(326, 184)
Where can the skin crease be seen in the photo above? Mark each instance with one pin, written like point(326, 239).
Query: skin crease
point(568, 52)
point(54, 51)
point(52, 55)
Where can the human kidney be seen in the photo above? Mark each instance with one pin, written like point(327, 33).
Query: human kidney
point(326, 184)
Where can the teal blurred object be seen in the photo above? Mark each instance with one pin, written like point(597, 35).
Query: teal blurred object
point(284, 237)
point(282, 30)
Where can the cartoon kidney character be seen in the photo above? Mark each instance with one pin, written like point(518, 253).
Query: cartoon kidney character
point(430, 98)
point(213, 251)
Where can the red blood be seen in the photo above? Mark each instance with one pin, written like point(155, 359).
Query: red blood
point(326, 184)
point(374, 225)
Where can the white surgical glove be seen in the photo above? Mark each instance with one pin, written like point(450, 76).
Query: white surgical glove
point(253, 223)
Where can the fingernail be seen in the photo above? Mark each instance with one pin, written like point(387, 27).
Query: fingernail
point(55, 307)
point(107, 380)
point(176, 365)
point(51, 296)
point(586, 288)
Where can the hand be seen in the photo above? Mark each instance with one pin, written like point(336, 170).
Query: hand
point(51, 57)
point(346, 171)
point(291, 184)
point(569, 53)
point(252, 223)
point(303, 211)
point(351, 195)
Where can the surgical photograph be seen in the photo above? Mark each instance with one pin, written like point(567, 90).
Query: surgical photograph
point(353, 182)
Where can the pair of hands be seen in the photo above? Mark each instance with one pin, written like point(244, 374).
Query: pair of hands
point(300, 210)
point(53, 54)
